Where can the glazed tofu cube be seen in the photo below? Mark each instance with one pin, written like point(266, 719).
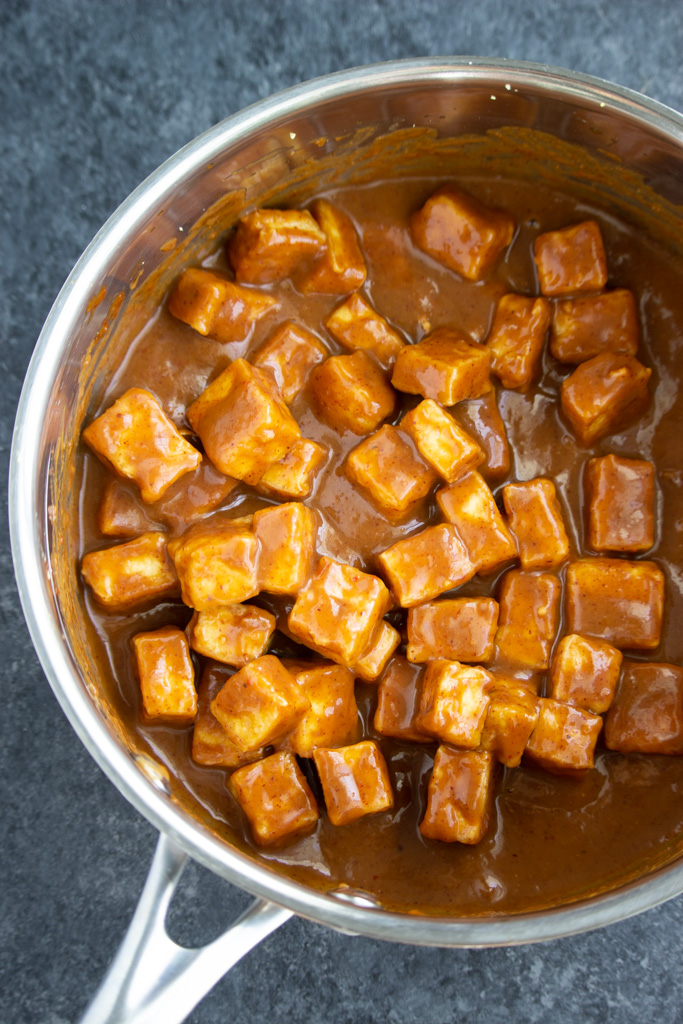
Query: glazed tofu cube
point(529, 612)
point(646, 716)
point(355, 781)
point(293, 477)
point(517, 338)
point(482, 420)
point(459, 629)
point(286, 536)
point(398, 702)
point(166, 676)
point(583, 328)
point(564, 737)
point(243, 423)
point(290, 354)
point(571, 260)
point(216, 564)
point(471, 507)
point(510, 720)
point(260, 704)
point(604, 394)
point(375, 658)
point(621, 504)
point(269, 244)
point(341, 268)
point(120, 513)
point(332, 719)
point(277, 800)
point(216, 307)
point(136, 439)
point(617, 601)
point(440, 441)
point(461, 233)
point(211, 744)
point(127, 574)
point(460, 796)
point(352, 393)
point(536, 521)
point(444, 366)
point(356, 325)
point(455, 700)
point(193, 496)
point(338, 611)
point(387, 467)
point(427, 564)
point(234, 633)
point(585, 673)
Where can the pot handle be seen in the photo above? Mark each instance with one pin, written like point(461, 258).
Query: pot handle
point(152, 978)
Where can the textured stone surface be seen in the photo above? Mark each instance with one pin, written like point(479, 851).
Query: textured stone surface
point(93, 96)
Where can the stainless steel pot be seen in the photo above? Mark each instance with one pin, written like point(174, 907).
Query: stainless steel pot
point(308, 136)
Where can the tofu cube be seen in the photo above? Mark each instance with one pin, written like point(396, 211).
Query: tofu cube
point(621, 504)
point(136, 439)
point(356, 325)
point(536, 521)
point(216, 307)
point(604, 394)
point(427, 564)
point(275, 797)
point(293, 477)
point(217, 564)
point(529, 613)
point(585, 673)
point(459, 629)
point(243, 423)
point(470, 506)
point(510, 720)
point(564, 737)
point(517, 338)
point(234, 633)
point(352, 393)
point(127, 574)
point(269, 245)
point(260, 704)
point(119, 513)
point(440, 441)
point(374, 660)
point(482, 420)
point(341, 268)
point(571, 260)
point(355, 781)
point(193, 496)
point(286, 535)
point(454, 703)
point(290, 354)
point(583, 328)
point(459, 232)
point(332, 719)
point(338, 611)
point(398, 702)
point(460, 796)
point(166, 676)
point(394, 476)
point(211, 744)
point(646, 716)
point(444, 366)
point(615, 600)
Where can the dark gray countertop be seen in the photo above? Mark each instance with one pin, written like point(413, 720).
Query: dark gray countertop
point(94, 95)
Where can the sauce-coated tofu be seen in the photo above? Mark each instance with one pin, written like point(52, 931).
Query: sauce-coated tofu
point(293, 476)
point(341, 268)
point(617, 601)
point(127, 574)
point(510, 719)
point(564, 737)
point(193, 496)
point(482, 420)
point(277, 800)
point(211, 744)
point(216, 307)
point(356, 325)
point(216, 564)
point(454, 703)
point(290, 354)
point(441, 441)
point(459, 629)
point(243, 423)
point(260, 704)
point(444, 366)
point(383, 644)
point(136, 439)
point(571, 260)
point(471, 507)
point(355, 781)
point(337, 612)
point(583, 328)
point(536, 521)
point(398, 702)
point(517, 338)
point(332, 719)
point(351, 393)
point(269, 244)
point(286, 536)
point(427, 564)
point(646, 716)
point(387, 467)
point(603, 394)
point(120, 514)
point(621, 504)
point(166, 675)
point(460, 796)
point(234, 633)
point(458, 231)
point(529, 611)
point(585, 673)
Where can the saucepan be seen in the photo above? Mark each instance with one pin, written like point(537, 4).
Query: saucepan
point(389, 119)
